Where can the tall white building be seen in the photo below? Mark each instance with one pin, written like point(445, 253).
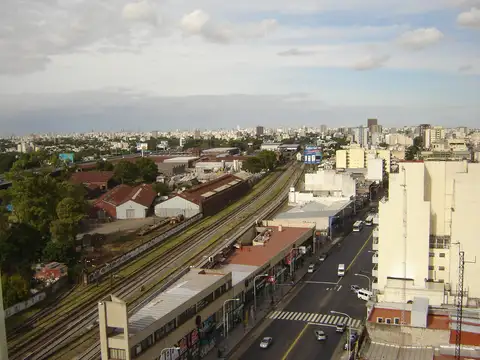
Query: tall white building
point(432, 135)
point(431, 214)
point(357, 157)
point(3, 333)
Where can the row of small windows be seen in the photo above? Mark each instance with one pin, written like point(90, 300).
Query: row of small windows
point(381, 320)
point(432, 254)
point(440, 268)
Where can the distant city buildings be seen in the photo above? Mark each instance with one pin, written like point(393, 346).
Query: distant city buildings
point(356, 157)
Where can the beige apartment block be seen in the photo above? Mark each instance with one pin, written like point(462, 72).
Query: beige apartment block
point(357, 157)
point(431, 214)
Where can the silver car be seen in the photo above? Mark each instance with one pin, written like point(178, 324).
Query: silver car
point(266, 342)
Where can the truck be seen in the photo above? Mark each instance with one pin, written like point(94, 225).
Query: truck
point(341, 270)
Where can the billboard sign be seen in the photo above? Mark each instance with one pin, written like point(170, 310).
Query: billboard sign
point(142, 146)
point(312, 155)
point(68, 158)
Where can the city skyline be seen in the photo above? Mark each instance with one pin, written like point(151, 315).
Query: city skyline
point(158, 65)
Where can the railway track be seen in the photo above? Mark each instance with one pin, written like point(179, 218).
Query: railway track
point(76, 322)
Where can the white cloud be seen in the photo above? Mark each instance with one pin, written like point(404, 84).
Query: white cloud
point(140, 11)
point(470, 18)
point(420, 38)
point(371, 62)
point(296, 52)
point(465, 68)
point(198, 22)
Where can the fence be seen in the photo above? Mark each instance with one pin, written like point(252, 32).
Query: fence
point(122, 259)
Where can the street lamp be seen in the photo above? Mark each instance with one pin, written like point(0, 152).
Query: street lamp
point(255, 290)
point(175, 348)
point(369, 281)
point(225, 325)
point(349, 331)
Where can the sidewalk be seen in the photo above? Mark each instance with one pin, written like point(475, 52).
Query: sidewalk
point(264, 306)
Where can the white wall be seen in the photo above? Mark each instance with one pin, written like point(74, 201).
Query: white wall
point(465, 229)
point(330, 180)
point(341, 159)
point(391, 243)
point(375, 169)
point(177, 206)
point(140, 210)
point(3, 333)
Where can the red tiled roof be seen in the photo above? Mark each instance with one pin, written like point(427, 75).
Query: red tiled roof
point(259, 255)
point(116, 196)
point(195, 194)
point(142, 194)
point(224, 158)
point(89, 177)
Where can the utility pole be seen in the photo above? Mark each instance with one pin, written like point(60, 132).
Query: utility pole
point(458, 333)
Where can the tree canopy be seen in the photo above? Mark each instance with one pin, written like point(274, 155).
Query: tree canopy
point(126, 172)
point(147, 169)
point(264, 160)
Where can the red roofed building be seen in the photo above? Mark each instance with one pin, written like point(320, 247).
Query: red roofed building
point(93, 179)
point(126, 202)
point(208, 198)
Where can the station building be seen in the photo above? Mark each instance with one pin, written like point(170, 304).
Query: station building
point(185, 320)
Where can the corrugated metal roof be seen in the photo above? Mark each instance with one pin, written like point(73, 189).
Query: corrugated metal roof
point(179, 293)
point(380, 351)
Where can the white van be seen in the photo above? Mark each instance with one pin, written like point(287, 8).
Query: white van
point(364, 294)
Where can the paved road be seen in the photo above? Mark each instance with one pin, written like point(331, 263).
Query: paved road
point(292, 327)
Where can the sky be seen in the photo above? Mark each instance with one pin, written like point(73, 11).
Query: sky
point(106, 65)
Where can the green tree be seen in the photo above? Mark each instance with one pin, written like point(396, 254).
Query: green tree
point(15, 289)
point(126, 172)
point(418, 142)
point(253, 165)
point(102, 165)
point(34, 199)
point(161, 188)
point(268, 159)
point(6, 161)
point(411, 153)
point(70, 213)
point(61, 251)
point(147, 169)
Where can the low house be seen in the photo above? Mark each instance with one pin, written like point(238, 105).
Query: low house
point(50, 271)
point(126, 202)
point(93, 179)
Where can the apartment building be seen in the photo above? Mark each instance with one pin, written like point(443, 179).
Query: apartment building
point(356, 157)
point(429, 216)
point(3, 333)
point(434, 134)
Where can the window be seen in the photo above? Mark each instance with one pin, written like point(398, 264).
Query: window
point(186, 315)
point(165, 330)
point(379, 320)
point(441, 268)
point(431, 267)
point(396, 321)
point(431, 254)
point(221, 290)
point(442, 255)
point(202, 304)
point(388, 321)
point(117, 354)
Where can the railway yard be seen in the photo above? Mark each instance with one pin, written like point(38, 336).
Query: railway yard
point(68, 329)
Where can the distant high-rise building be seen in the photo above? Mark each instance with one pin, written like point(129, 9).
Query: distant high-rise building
point(371, 122)
point(375, 129)
point(3, 332)
point(259, 130)
point(323, 129)
point(361, 136)
point(196, 134)
point(435, 134)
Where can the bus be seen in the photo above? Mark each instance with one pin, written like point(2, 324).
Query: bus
point(358, 226)
point(369, 220)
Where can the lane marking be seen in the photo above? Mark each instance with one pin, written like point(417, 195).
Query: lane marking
point(320, 282)
point(285, 356)
point(315, 324)
point(359, 251)
point(339, 288)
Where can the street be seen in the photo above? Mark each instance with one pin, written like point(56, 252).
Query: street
point(310, 308)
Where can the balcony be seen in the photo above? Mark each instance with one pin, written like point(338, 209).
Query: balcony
point(375, 244)
point(375, 259)
point(440, 242)
point(375, 271)
point(375, 233)
point(375, 284)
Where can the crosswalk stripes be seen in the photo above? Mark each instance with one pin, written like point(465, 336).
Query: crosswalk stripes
point(314, 318)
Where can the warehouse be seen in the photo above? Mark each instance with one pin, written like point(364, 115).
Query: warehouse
point(208, 198)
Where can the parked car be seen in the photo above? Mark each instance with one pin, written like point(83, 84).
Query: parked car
point(266, 342)
point(340, 328)
point(311, 268)
point(322, 257)
point(320, 335)
point(353, 339)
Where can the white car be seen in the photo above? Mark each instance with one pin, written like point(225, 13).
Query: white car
point(266, 342)
point(311, 268)
point(355, 288)
point(320, 335)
